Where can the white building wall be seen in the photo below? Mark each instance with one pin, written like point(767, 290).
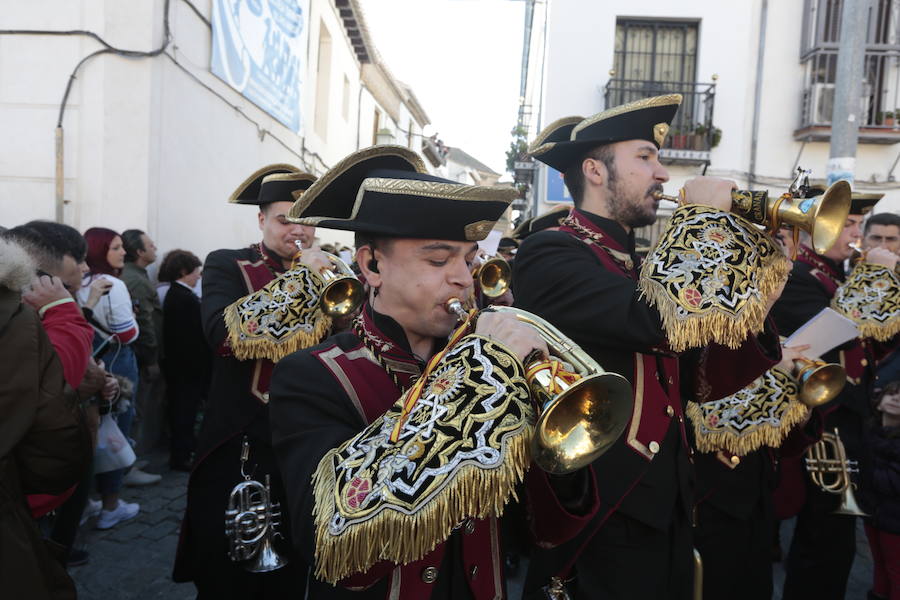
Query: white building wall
point(150, 144)
point(579, 55)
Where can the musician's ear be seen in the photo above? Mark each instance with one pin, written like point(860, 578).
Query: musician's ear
point(365, 258)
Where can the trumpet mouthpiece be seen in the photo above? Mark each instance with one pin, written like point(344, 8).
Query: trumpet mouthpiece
point(661, 196)
point(454, 306)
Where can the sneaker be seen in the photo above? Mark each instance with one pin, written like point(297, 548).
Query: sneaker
point(141, 463)
point(92, 509)
point(123, 512)
point(77, 558)
point(137, 478)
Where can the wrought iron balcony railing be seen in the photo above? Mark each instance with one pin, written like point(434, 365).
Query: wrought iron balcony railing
point(692, 134)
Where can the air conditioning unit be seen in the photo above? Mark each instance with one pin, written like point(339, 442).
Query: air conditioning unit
point(821, 103)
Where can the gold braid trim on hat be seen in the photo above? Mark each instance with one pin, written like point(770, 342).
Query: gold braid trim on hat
point(399, 487)
point(233, 198)
point(871, 298)
point(280, 318)
point(342, 166)
point(538, 146)
point(761, 414)
point(666, 100)
point(710, 277)
point(438, 189)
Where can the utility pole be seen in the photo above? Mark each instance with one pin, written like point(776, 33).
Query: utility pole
point(848, 90)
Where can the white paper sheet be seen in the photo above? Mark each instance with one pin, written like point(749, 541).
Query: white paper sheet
point(823, 332)
point(491, 242)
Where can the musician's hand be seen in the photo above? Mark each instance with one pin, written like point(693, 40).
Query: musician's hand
point(315, 260)
point(882, 256)
point(789, 354)
point(710, 191)
point(520, 338)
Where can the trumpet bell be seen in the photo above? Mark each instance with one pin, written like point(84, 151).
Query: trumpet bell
point(820, 382)
point(579, 424)
point(341, 296)
point(494, 277)
point(823, 217)
point(849, 505)
point(266, 558)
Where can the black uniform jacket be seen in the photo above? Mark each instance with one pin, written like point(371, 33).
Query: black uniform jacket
point(187, 355)
point(564, 279)
point(323, 396)
point(237, 406)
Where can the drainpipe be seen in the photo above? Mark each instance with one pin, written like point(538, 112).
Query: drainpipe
point(60, 181)
point(757, 94)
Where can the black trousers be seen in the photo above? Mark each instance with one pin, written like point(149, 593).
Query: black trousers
point(822, 550)
point(185, 396)
point(736, 553)
point(627, 560)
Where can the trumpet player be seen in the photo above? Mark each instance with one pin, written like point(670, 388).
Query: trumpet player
point(369, 479)
point(583, 279)
point(824, 544)
point(238, 400)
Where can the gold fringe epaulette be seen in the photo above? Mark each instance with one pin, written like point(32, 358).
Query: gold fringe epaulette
point(377, 499)
point(710, 277)
point(278, 319)
point(871, 298)
point(762, 414)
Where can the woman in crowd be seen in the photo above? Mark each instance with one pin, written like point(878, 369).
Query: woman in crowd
point(187, 360)
point(110, 311)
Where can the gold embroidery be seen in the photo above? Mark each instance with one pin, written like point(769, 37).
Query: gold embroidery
point(478, 231)
point(538, 146)
point(660, 131)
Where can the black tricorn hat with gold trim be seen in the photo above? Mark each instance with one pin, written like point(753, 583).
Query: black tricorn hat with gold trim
point(406, 204)
point(250, 190)
point(645, 119)
point(862, 203)
point(552, 143)
point(334, 193)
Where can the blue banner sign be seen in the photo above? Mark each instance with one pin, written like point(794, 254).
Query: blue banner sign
point(259, 49)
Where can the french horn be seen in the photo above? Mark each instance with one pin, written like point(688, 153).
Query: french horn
point(581, 412)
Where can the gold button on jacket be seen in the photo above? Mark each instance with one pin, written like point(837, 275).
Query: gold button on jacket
point(429, 574)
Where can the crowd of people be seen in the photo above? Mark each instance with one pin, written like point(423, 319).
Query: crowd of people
point(393, 433)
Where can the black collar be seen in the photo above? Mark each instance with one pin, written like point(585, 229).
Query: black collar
point(613, 229)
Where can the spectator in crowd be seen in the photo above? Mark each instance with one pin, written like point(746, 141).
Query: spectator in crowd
point(45, 444)
point(883, 527)
point(140, 252)
point(109, 307)
point(882, 230)
point(59, 251)
point(187, 360)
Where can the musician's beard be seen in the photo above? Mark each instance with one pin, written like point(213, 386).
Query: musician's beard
point(629, 207)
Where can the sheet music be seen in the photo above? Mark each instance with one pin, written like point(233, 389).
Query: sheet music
point(823, 332)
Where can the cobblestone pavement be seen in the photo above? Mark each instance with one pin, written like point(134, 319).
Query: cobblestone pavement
point(133, 561)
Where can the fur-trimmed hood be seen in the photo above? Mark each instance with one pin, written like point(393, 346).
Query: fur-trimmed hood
point(16, 266)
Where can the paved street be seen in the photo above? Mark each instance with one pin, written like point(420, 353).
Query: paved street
point(133, 561)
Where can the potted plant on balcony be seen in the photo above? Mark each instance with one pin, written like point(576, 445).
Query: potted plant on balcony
point(715, 136)
point(879, 118)
point(677, 139)
point(889, 119)
point(699, 137)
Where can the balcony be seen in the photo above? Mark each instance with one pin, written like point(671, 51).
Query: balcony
point(876, 127)
point(692, 134)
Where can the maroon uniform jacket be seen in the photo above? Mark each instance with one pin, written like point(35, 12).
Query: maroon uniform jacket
point(583, 279)
point(325, 395)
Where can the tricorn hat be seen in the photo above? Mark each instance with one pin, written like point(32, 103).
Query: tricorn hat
point(281, 179)
point(645, 119)
point(334, 193)
point(862, 203)
point(401, 203)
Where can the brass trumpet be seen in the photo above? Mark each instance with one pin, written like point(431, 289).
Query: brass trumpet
point(581, 413)
point(343, 292)
point(829, 457)
point(494, 276)
point(820, 382)
point(823, 217)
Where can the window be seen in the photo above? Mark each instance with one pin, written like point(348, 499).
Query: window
point(656, 51)
point(345, 100)
point(819, 54)
point(376, 124)
point(323, 81)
